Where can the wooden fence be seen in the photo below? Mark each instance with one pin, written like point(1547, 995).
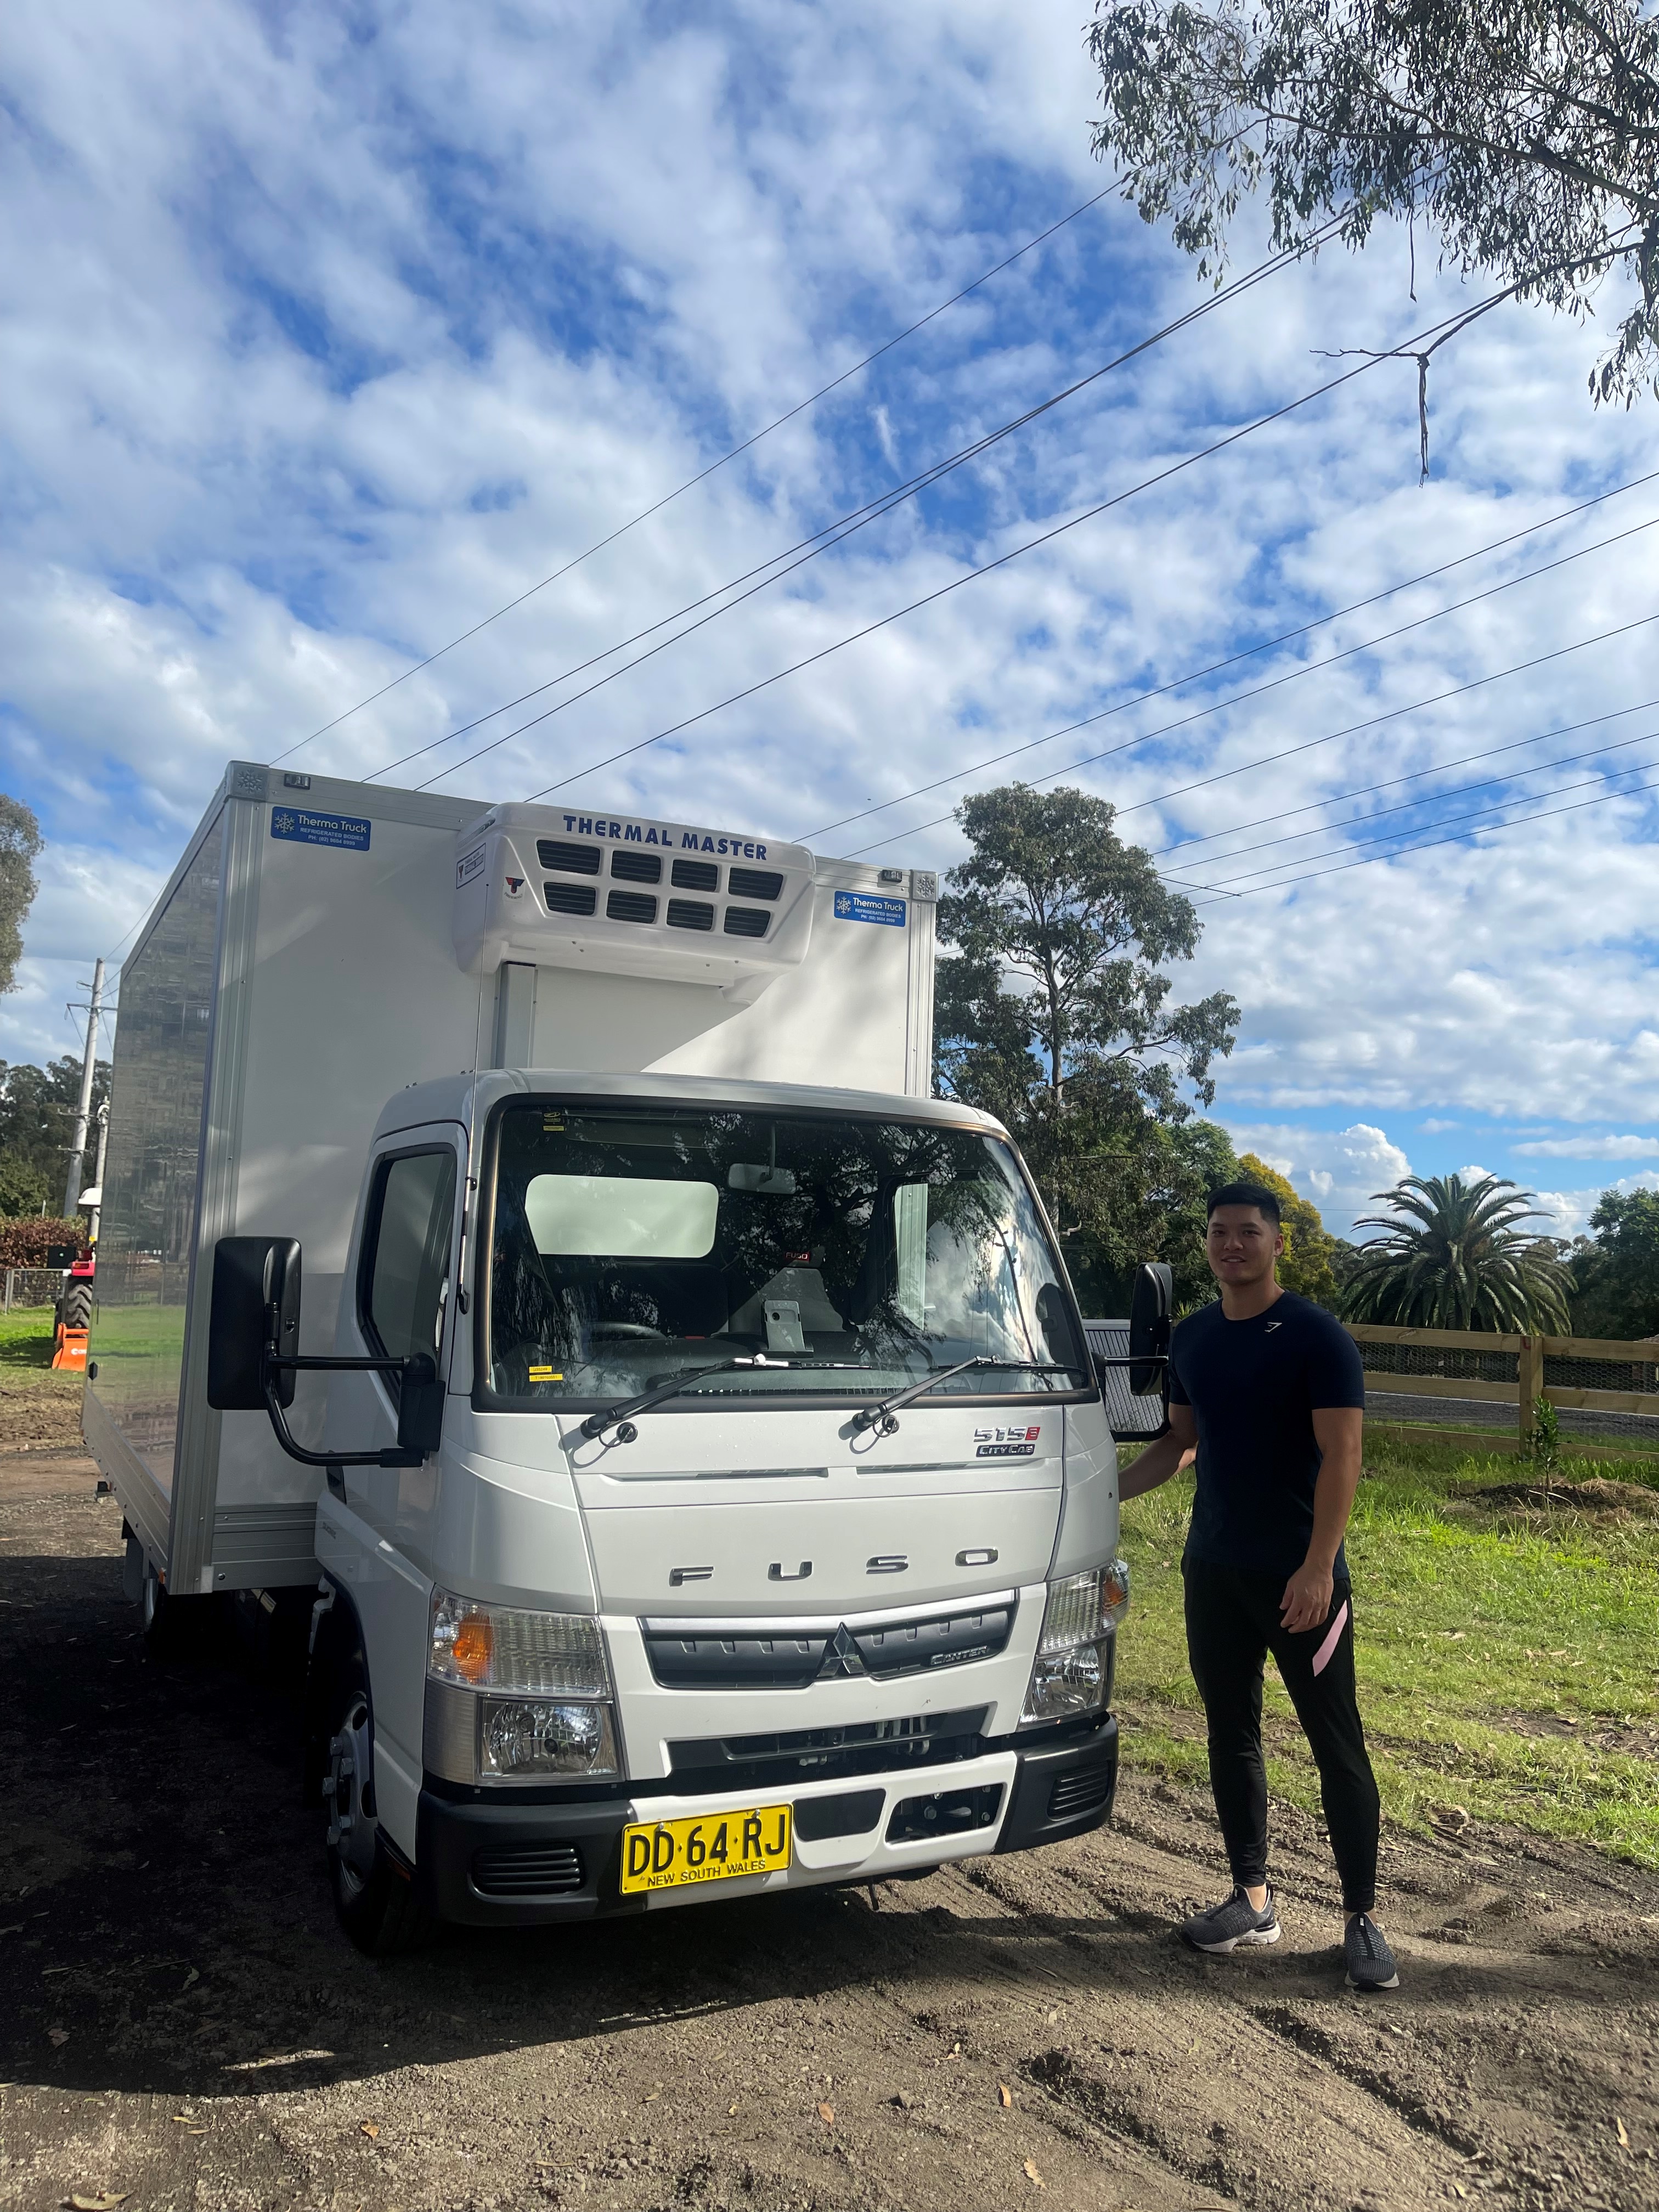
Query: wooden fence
point(1420, 1374)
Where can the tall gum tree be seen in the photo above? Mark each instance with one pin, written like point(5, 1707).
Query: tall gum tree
point(1520, 137)
point(1054, 1013)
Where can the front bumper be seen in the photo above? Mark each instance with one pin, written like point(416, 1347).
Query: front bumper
point(490, 1862)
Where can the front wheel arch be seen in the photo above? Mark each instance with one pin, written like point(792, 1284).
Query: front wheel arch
point(377, 1896)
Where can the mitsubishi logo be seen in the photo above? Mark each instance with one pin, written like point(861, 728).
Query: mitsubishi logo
point(841, 1658)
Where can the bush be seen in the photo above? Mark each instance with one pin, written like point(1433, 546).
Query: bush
point(26, 1243)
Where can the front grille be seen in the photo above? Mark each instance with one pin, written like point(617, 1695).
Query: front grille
point(683, 1658)
point(754, 883)
point(920, 1646)
point(527, 1870)
point(636, 867)
point(736, 1662)
point(631, 906)
point(1084, 1789)
point(568, 860)
point(695, 876)
point(570, 898)
point(746, 922)
point(716, 1763)
point(689, 913)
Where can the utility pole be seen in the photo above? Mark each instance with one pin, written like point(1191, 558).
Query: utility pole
point(93, 1212)
point(78, 1149)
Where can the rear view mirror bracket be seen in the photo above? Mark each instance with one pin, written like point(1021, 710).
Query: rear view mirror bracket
point(1148, 1356)
point(252, 1362)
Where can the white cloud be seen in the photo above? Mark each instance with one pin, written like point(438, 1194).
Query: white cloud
point(1590, 1148)
point(1571, 1210)
point(1340, 1170)
point(326, 337)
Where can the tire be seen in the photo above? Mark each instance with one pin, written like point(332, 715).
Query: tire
point(76, 1308)
point(375, 1894)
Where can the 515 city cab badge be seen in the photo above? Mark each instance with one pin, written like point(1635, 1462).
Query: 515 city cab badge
point(1005, 1443)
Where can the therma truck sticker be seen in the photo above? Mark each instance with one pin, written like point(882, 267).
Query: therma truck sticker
point(854, 906)
point(299, 826)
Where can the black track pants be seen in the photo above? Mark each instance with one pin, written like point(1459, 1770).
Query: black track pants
point(1232, 1623)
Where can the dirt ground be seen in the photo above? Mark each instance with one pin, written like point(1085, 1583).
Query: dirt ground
point(185, 2025)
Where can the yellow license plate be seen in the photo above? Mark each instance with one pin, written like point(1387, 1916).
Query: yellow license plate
point(714, 1847)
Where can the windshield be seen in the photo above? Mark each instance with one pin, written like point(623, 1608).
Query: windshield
point(856, 1254)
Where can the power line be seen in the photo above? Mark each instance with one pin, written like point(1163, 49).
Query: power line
point(1331, 659)
point(1249, 653)
point(1308, 744)
point(1392, 783)
point(691, 482)
point(929, 597)
point(821, 541)
point(1387, 836)
point(1371, 858)
point(1394, 713)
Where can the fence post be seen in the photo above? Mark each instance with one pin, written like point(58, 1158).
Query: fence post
point(1530, 1378)
point(10, 1273)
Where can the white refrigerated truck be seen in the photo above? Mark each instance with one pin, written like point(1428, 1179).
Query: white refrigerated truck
point(684, 1437)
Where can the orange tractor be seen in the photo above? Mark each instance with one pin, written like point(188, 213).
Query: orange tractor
point(73, 1316)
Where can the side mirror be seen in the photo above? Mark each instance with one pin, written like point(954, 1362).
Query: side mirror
point(419, 1406)
point(1150, 1305)
point(256, 1309)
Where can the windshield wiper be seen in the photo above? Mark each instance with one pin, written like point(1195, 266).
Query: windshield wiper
point(621, 1417)
point(880, 1417)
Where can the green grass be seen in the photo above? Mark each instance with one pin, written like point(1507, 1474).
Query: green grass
point(1506, 1661)
point(26, 1342)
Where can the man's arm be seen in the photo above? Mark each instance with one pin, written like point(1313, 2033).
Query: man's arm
point(1157, 1462)
point(1307, 1598)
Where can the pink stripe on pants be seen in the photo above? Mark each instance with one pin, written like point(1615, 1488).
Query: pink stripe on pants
point(1322, 1656)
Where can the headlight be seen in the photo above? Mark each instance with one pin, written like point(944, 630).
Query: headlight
point(1071, 1673)
point(525, 1736)
point(550, 1711)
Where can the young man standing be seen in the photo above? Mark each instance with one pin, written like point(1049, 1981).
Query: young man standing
point(1270, 1390)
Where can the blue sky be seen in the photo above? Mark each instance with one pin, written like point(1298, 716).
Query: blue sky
point(331, 329)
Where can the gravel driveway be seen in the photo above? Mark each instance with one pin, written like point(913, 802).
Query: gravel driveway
point(185, 2025)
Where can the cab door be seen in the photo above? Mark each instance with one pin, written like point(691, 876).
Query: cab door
point(401, 1301)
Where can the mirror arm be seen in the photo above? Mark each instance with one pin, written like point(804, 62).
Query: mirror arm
point(393, 1456)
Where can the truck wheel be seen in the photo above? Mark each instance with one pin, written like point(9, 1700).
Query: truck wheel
point(373, 1895)
point(75, 1309)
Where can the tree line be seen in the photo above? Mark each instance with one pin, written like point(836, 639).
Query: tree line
point(1056, 1012)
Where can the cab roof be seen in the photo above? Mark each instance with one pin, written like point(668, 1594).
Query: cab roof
point(467, 1098)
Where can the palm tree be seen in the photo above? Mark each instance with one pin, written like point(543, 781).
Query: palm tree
point(1454, 1257)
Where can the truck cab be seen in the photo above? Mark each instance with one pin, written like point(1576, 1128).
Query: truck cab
point(768, 1535)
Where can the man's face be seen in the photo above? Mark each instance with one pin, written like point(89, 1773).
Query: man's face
point(1242, 1245)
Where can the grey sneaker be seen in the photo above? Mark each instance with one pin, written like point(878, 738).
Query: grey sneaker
point(1236, 1921)
point(1365, 1954)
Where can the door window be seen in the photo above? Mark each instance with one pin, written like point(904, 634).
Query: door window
point(405, 1278)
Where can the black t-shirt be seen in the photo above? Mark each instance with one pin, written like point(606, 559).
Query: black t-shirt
point(1252, 1386)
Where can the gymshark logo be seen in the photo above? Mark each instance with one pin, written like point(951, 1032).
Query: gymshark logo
point(841, 1658)
point(1271, 1326)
